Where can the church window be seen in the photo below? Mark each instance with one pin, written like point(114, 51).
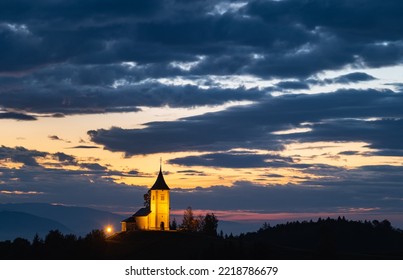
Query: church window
point(162, 197)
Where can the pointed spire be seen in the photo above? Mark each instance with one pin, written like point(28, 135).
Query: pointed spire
point(160, 182)
point(160, 164)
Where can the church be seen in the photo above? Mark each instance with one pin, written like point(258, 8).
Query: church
point(155, 214)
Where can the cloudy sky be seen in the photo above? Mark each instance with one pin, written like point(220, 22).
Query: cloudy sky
point(259, 109)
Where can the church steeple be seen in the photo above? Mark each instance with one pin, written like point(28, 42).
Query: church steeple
point(160, 182)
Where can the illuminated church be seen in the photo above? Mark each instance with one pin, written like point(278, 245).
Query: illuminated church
point(155, 214)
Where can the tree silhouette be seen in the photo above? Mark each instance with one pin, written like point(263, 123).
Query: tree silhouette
point(210, 224)
point(95, 244)
point(54, 238)
point(22, 247)
point(189, 223)
point(147, 200)
point(174, 225)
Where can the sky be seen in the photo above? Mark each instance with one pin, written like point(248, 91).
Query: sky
point(260, 110)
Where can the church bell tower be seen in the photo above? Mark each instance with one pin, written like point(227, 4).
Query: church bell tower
point(159, 204)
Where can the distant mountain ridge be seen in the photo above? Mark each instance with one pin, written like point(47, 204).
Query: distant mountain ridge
point(24, 225)
point(68, 219)
point(237, 228)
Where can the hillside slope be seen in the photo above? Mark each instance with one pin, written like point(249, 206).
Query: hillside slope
point(80, 220)
point(19, 224)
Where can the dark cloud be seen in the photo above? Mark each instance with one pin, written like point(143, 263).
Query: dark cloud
point(349, 153)
point(21, 10)
point(292, 85)
point(383, 134)
point(30, 159)
point(20, 155)
point(397, 85)
point(63, 186)
point(272, 175)
point(84, 147)
point(65, 158)
point(73, 100)
point(93, 166)
point(53, 183)
point(341, 190)
point(134, 172)
point(55, 137)
point(191, 172)
point(234, 160)
point(58, 115)
point(361, 20)
point(345, 115)
point(388, 152)
point(17, 116)
point(125, 47)
point(351, 78)
point(177, 137)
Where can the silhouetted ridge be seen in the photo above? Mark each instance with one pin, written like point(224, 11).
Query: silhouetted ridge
point(18, 224)
point(323, 239)
point(335, 238)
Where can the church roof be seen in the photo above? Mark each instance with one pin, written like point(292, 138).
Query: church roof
point(142, 212)
point(160, 183)
point(131, 219)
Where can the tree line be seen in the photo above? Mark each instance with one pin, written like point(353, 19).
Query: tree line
point(206, 224)
point(56, 245)
point(196, 238)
